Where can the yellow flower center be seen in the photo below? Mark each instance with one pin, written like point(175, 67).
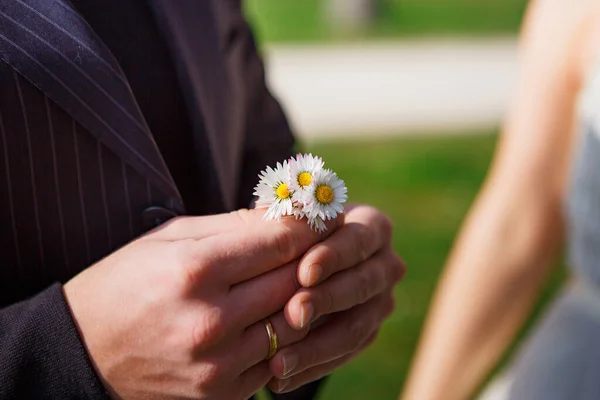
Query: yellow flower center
point(324, 194)
point(282, 191)
point(304, 179)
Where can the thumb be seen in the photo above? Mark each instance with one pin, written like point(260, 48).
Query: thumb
point(256, 246)
point(200, 227)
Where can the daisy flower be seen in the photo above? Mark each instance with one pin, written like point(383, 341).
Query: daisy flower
point(323, 199)
point(317, 224)
point(302, 169)
point(273, 190)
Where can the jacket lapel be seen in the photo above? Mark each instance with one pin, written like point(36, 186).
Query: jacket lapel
point(192, 34)
point(52, 46)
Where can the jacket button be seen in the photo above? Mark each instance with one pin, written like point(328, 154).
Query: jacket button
point(156, 216)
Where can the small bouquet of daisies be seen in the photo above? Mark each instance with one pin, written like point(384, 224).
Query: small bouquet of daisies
point(301, 187)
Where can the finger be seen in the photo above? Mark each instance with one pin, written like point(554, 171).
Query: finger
point(285, 385)
point(243, 254)
point(345, 289)
point(191, 227)
point(366, 230)
point(253, 346)
point(249, 383)
point(342, 335)
point(254, 300)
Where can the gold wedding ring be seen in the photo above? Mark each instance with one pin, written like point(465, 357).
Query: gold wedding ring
point(273, 341)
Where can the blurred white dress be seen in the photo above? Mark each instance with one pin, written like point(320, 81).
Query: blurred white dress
point(561, 359)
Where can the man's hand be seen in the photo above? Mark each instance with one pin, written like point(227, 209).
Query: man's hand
point(348, 278)
point(177, 313)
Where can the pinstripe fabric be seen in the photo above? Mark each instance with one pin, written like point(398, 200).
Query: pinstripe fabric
point(58, 62)
point(56, 179)
point(65, 207)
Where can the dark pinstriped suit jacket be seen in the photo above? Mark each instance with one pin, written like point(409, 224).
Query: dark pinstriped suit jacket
point(80, 173)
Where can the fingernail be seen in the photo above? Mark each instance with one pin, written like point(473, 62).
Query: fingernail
point(306, 313)
point(314, 273)
point(290, 361)
point(283, 383)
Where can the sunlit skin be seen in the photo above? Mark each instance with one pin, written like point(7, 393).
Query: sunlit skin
point(504, 251)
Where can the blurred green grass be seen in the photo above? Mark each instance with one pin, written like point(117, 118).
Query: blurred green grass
point(426, 185)
point(305, 20)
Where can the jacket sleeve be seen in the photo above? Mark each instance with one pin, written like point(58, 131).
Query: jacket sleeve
point(267, 137)
point(41, 353)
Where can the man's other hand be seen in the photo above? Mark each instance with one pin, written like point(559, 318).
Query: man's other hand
point(347, 293)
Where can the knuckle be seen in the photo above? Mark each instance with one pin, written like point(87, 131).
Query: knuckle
point(292, 277)
point(380, 276)
point(211, 375)
point(194, 264)
point(363, 286)
point(325, 302)
point(208, 330)
point(286, 244)
point(363, 241)
point(332, 258)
